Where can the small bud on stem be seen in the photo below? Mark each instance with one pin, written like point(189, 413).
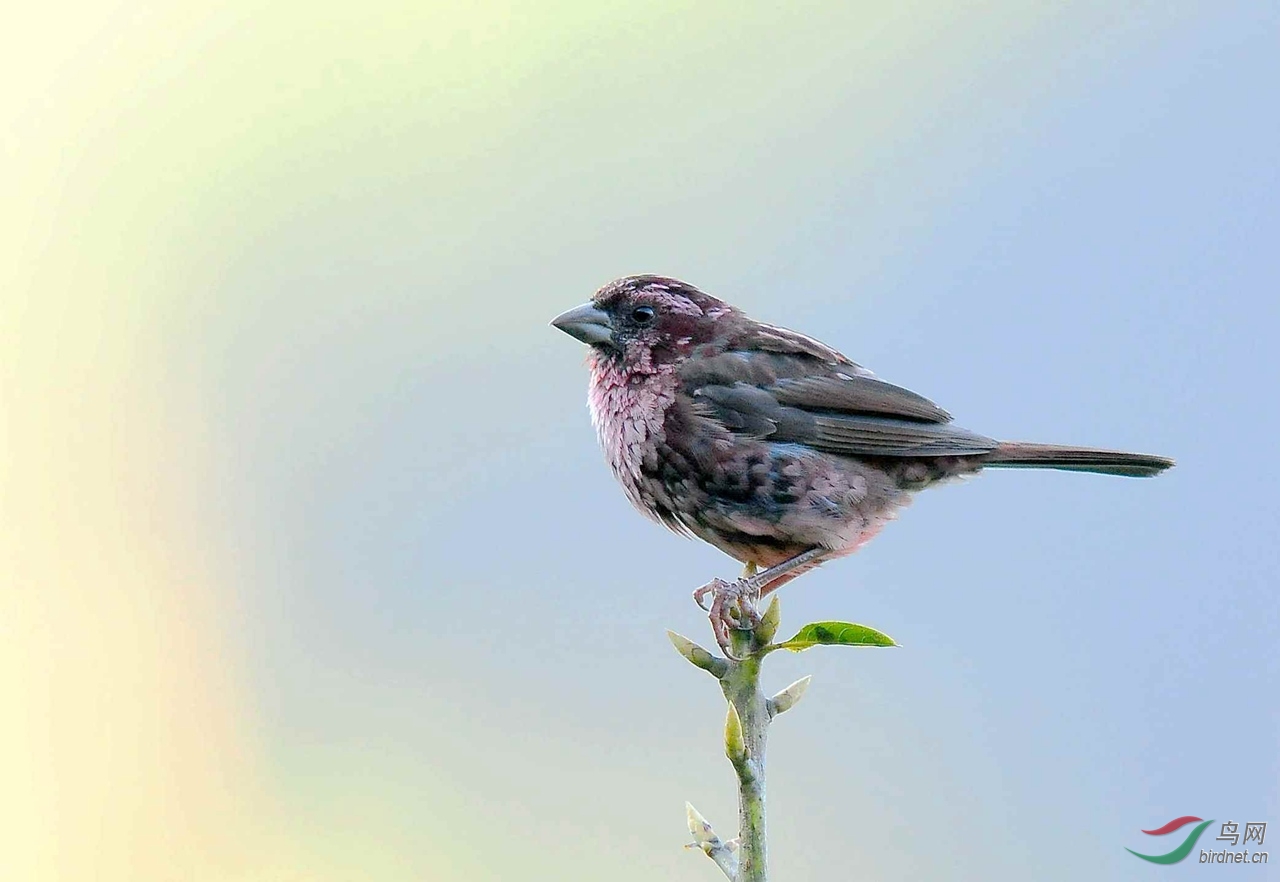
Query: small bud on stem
point(787, 698)
point(697, 656)
point(769, 622)
point(735, 745)
point(725, 854)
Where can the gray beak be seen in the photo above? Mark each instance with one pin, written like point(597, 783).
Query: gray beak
point(588, 323)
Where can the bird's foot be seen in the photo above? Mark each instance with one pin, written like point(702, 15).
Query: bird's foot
point(732, 607)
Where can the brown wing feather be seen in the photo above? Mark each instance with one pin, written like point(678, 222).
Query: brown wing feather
point(857, 394)
point(759, 336)
point(798, 390)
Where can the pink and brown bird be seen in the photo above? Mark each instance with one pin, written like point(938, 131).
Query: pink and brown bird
point(768, 444)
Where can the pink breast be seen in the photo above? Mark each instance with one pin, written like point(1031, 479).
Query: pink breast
point(627, 411)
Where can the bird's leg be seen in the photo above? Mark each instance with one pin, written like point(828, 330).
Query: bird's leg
point(732, 605)
point(748, 570)
point(764, 583)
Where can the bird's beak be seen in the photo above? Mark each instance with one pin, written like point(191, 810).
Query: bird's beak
point(588, 323)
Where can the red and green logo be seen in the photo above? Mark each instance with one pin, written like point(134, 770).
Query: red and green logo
point(1182, 850)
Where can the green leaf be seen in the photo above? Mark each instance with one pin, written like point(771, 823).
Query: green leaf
point(835, 634)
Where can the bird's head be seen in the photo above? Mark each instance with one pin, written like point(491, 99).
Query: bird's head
point(642, 322)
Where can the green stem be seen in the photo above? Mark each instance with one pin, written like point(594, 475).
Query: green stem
point(741, 686)
point(745, 859)
point(746, 726)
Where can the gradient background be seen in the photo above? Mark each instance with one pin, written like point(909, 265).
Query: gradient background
point(310, 568)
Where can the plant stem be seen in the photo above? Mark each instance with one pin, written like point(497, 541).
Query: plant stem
point(745, 859)
point(746, 728)
point(741, 686)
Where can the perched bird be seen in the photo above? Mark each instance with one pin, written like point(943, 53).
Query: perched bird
point(769, 445)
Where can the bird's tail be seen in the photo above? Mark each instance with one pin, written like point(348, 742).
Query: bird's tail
point(1024, 455)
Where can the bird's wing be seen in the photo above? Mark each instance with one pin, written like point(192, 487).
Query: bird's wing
point(854, 394)
point(760, 337)
point(834, 406)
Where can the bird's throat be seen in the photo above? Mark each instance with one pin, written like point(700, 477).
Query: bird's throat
point(628, 410)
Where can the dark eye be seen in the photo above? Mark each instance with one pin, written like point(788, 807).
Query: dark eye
point(642, 315)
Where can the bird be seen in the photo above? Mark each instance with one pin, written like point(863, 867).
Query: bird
point(766, 443)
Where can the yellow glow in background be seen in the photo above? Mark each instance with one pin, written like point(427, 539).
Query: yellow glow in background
point(151, 152)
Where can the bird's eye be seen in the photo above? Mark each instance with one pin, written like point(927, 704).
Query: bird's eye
point(642, 315)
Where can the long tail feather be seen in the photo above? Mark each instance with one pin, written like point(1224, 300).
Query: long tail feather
point(1025, 455)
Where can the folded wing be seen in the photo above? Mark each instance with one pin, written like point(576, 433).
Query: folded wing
point(822, 400)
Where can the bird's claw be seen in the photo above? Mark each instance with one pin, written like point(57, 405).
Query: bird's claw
point(732, 607)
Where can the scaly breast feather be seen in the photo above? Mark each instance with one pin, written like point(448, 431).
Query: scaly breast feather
point(628, 412)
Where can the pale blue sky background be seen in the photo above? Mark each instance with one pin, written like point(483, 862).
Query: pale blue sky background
point(1077, 245)
point(442, 623)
